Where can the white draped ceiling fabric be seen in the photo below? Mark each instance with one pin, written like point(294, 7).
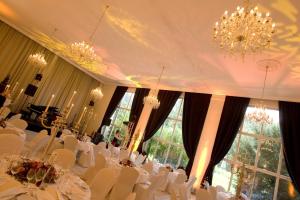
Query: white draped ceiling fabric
point(59, 77)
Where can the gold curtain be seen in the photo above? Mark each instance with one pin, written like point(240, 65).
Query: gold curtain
point(59, 77)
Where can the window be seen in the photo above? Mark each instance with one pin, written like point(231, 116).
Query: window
point(120, 115)
point(259, 147)
point(166, 145)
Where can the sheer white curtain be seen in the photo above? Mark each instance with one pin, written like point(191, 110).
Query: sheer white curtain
point(59, 77)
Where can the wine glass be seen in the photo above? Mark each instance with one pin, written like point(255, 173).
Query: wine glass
point(30, 175)
point(39, 175)
point(14, 167)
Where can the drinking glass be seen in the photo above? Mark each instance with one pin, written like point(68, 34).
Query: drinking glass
point(39, 175)
point(14, 167)
point(30, 175)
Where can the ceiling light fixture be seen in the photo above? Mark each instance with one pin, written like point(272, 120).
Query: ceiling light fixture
point(151, 99)
point(96, 93)
point(84, 51)
point(259, 115)
point(246, 30)
point(37, 59)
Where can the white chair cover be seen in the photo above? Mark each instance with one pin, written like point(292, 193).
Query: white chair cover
point(145, 192)
point(90, 174)
point(19, 123)
point(99, 147)
point(220, 188)
point(213, 191)
point(181, 171)
point(70, 142)
point(38, 140)
point(131, 196)
point(203, 194)
point(140, 159)
point(124, 153)
point(17, 116)
point(10, 144)
point(148, 167)
point(63, 158)
point(102, 183)
point(4, 112)
point(124, 186)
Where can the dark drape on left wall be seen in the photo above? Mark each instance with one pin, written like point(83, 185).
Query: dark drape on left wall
point(195, 108)
point(158, 116)
point(114, 102)
point(289, 120)
point(232, 116)
point(137, 106)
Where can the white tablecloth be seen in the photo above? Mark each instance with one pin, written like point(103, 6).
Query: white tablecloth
point(88, 148)
point(67, 187)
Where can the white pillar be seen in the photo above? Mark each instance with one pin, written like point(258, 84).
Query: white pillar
point(142, 123)
point(207, 138)
point(100, 108)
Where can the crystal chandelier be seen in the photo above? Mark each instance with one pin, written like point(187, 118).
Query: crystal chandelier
point(260, 115)
point(151, 99)
point(84, 51)
point(37, 59)
point(246, 30)
point(96, 93)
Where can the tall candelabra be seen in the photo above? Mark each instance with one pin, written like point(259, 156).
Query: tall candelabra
point(128, 134)
point(58, 124)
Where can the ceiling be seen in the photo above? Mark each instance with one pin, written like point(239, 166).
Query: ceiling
point(137, 37)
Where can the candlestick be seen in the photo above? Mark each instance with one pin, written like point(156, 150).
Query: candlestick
point(82, 114)
point(69, 111)
point(70, 101)
point(49, 103)
point(14, 88)
point(17, 98)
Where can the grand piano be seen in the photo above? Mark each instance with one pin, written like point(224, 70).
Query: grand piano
point(33, 113)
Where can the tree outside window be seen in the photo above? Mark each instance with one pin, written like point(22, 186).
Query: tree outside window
point(166, 145)
point(259, 147)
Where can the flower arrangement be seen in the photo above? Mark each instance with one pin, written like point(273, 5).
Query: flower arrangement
point(30, 171)
point(127, 163)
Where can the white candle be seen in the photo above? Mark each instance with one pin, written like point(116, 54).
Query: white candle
point(49, 103)
point(70, 101)
point(17, 98)
point(82, 114)
point(14, 88)
point(69, 111)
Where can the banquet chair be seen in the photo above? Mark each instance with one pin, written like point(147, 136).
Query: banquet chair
point(105, 152)
point(131, 196)
point(124, 153)
point(213, 191)
point(150, 192)
point(220, 188)
point(17, 116)
point(4, 112)
point(36, 141)
point(179, 180)
point(100, 163)
point(63, 158)
point(19, 123)
point(134, 155)
point(181, 171)
point(103, 183)
point(70, 143)
point(9, 131)
point(125, 183)
point(203, 194)
point(10, 144)
point(186, 188)
point(148, 167)
point(139, 160)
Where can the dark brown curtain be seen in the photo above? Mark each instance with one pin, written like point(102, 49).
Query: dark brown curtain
point(137, 106)
point(289, 119)
point(231, 118)
point(114, 102)
point(194, 113)
point(158, 116)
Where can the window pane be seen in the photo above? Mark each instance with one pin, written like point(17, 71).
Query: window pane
point(174, 155)
point(286, 191)
point(125, 100)
point(151, 146)
point(175, 111)
point(177, 135)
point(167, 131)
point(161, 152)
point(233, 150)
point(263, 187)
point(269, 155)
point(184, 159)
point(247, 151)
point(222, 174)
point(284, 171)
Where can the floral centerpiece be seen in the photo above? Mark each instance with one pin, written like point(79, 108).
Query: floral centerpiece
point(30, 171)
point(127, 163)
